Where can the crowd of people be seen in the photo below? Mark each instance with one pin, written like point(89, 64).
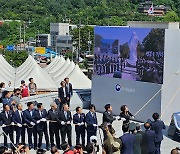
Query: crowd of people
point(56, 124)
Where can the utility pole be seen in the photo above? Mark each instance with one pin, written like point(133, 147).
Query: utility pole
point(20, 37)
point(89, 42)
point(24, 36)
point(79, 44)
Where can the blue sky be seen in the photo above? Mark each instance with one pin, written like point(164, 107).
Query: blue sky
point(121, 33)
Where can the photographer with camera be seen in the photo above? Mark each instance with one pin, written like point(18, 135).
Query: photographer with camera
point(112, 145)
point(91, 121)
point(108, 118)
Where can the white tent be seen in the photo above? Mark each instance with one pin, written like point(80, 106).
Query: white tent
point(65, 73)
point(54, 62)
point(79, 79)
point(60, 63)
point(7, 72)
point(31, 69)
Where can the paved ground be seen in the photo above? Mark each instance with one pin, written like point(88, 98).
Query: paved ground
point(167, 143)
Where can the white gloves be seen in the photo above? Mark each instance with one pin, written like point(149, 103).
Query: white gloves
point(3, 125)
point(94, 125)
point(43, 119)
point(79, 124)
point(32, 123)
point(62, 123)
point(19, 125)
point(118, 117)
point(123, 119)
point(132, 117)
point(38, 121)
point(69, 122)
point(82, 123)
point(12, 123)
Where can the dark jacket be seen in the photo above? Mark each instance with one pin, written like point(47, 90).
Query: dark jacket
point(77, 120)
point(158, 126)
point(70, 89)
point(28, 118)
point(144, 142)
point(126, 116)
point(127, 143)
point(90, 121)
point(150, 139)
point(43, 124)
point(7, 101)
point(108, 117)
point(53, 115)
point(63, 118)
point(137, 143)
point(4, 120)
point(16, 118)
point(61, 94)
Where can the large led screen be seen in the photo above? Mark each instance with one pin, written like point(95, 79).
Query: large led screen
point(129, 53)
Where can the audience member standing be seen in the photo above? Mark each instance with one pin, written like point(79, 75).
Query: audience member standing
point(143, 142)
point(16, 96)
point(63, 94)
point(18, 119)
point(158, 125)
point(150, 139)
point(138, 138)
point(54, 123)
point(6, 120)
point(2, 89)
point(127, 140)
point(24, 89)
point(32, 87)
point(91, 121)
point(8, 99)
point(30, 120)
point(65, 119)
point(69, 86)
point(79, 121)
point(41, 127)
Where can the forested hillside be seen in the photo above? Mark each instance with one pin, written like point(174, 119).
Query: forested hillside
point(37, 14)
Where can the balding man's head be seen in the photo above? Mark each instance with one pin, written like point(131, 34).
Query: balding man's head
point(147, 125)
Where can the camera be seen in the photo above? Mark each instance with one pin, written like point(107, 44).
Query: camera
point(103, 126)
point(93, 140)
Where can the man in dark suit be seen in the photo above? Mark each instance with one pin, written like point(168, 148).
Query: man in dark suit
point(18, 119)
point(53, 116)
point(63, 94)
point(70, 89)
point(91, 121)
point(65, 120)
point(150, 139)
point(127, 140)
point(79, 121)
point(108, 118)
point(41, 127)
point(143, 142)
point(69, 86)
point(30, 120)
point(158, 126)
point(6, 123)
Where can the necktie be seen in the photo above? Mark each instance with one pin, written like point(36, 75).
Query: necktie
point(31, 113)
point(7, 115)
point(20, 115)
point(40, 113)
point(65, 115)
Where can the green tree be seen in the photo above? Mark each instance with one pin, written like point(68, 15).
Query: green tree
point(171, 17)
